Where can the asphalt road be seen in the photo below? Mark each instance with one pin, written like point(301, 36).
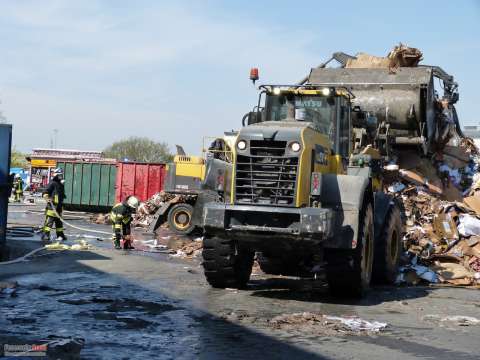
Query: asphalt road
point(134, 305)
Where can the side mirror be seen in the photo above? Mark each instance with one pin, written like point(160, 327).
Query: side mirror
point(251, 117)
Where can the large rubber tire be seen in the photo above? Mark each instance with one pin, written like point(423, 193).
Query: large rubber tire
point(349, 272)
point(388, 248)
point(226, 266)
point(180, 219)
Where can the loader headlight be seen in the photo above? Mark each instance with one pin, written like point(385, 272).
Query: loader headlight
point(326, 91)
point(242, 145)
point(277, 91)
point(295, 146)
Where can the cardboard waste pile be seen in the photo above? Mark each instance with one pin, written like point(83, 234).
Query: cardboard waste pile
point(441, 200)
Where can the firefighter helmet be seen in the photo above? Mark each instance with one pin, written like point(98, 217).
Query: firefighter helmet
point(133, 202)
point(57, 172)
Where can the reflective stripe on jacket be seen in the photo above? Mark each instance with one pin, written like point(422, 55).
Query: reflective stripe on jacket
point(19, 186)
point(120, 214)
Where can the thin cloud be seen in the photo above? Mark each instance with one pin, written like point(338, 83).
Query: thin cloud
point(83, 64)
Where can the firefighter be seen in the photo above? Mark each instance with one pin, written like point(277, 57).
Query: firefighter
point(121, 217)
point(18, 188)
point(54, 195)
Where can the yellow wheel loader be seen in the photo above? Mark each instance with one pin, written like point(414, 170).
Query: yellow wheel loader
point(191, 182)
point(306, 189)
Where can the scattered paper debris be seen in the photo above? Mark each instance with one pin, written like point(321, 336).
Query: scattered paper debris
point(469, 225)
point(396, 187)
point(191, 249)
point(357, 324)
point(321, 323)
point(459, 320)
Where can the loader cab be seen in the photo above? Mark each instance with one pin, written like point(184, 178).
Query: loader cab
point(326, 109)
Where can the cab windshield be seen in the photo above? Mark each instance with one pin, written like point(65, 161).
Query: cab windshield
point(319, 110)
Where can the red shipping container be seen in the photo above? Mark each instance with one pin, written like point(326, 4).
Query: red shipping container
point(140, 179)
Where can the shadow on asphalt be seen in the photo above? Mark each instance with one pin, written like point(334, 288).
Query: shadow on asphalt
point(317, 291)
point(59, 296)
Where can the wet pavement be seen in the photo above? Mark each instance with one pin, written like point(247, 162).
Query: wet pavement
point(137, 305)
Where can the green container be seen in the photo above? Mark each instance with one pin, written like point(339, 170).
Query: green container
point(89, 186)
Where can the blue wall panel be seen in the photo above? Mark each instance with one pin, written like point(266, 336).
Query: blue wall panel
point(5, 152)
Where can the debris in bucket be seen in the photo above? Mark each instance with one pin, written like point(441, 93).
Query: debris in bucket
point(146, 211)
point(326, 324)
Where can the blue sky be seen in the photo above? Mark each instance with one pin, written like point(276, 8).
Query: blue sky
point(99, 71)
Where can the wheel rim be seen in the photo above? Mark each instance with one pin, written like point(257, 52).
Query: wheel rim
point(181, 219)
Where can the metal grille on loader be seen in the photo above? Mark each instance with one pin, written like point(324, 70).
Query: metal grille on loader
point(266, 176)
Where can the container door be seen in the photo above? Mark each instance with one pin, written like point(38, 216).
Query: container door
point(77, 184)
point(86, 184)
point(112, 176)
point(95, 185)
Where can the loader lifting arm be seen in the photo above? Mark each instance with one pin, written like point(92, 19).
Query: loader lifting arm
point(341, 57)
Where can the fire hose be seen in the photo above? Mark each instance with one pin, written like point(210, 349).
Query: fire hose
point(77, 227)
point(26, 256)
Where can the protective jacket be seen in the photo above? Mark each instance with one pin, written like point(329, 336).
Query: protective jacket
point(56, 192)
point(19, 186)
point(121, 217)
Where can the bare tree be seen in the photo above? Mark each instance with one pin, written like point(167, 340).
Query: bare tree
point(3, 118)
point(140, 149)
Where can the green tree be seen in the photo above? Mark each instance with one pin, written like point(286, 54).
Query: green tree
point(140, 149)
point(18, 159)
